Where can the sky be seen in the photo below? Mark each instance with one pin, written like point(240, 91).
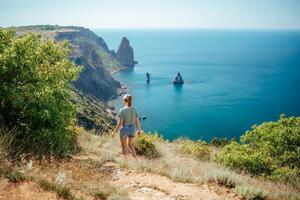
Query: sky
point(154, 14)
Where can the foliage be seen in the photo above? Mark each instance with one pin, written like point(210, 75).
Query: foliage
point(221, 142)
point(271, 149)
point(35, 94)
point(145, 145)
point(200, 149)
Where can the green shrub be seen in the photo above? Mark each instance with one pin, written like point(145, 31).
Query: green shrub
point(200, 149)
point(145, 145)
point(250, 193)
point(35, 77)
point(220, 142)
point(60, 190)
point(271, 149)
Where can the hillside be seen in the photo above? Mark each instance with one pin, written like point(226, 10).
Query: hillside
point(100, 172)
point(95, 83)
point(92, 114)
point(89, 51)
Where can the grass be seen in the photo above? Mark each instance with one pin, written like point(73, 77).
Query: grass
point(13, 175)
point(61, 190)
point(83, 176)
point(7, 137)
point(107, 191)
point(250, 193)
point(179, 166)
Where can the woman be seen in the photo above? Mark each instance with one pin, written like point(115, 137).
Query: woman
point(128, 119)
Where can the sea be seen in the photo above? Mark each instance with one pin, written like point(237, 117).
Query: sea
point(234, 79)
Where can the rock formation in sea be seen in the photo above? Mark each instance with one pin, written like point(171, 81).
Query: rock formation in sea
point(178, 79)
point(148, 77)
point(125, 53)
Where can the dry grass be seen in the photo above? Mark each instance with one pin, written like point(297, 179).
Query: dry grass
point(12, 174)
point(61, 190)
point(85, 180)
point(184, 168)
point(79, 177)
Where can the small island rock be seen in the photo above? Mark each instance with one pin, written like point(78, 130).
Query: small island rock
point(178, 79)
point(148, 77)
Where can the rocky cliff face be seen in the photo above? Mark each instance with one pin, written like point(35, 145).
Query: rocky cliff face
point(90, 51)
point(125, 53)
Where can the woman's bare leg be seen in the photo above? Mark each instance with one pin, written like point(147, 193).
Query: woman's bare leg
point(131, 146)
point(123, 141)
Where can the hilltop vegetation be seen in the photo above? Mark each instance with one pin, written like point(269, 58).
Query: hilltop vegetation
point(271, 149)
point(35, 94)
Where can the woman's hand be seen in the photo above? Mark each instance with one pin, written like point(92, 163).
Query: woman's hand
point(138, 132)
point(113, 134)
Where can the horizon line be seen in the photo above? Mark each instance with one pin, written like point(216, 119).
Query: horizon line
point(166, 28)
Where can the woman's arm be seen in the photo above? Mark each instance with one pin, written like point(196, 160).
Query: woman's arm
point(119, 124)
point(138, 125)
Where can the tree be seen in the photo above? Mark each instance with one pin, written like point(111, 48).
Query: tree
point(35, 77)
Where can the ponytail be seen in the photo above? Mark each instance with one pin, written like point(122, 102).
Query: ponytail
point(128, 99)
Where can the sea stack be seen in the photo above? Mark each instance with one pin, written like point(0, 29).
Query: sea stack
point(178, 79)
point(148, 77)
point(125, 53)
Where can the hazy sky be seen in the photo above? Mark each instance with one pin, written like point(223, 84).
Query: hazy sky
point(240, 14)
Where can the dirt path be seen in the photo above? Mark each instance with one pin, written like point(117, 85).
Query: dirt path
point(147, 186)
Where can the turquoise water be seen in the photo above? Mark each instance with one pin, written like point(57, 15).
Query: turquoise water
point(233, 79)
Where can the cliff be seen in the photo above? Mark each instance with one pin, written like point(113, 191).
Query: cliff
point(89, 51)
point(125, 53)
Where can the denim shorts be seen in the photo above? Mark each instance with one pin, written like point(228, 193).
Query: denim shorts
point(127, 130)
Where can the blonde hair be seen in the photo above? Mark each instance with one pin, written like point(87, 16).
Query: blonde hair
point(128, 99)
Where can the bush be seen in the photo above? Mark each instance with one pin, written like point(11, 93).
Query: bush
point(220, 142)
point(200, 149)
point(271, 149)
point(35, 77)
point(145, 145)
